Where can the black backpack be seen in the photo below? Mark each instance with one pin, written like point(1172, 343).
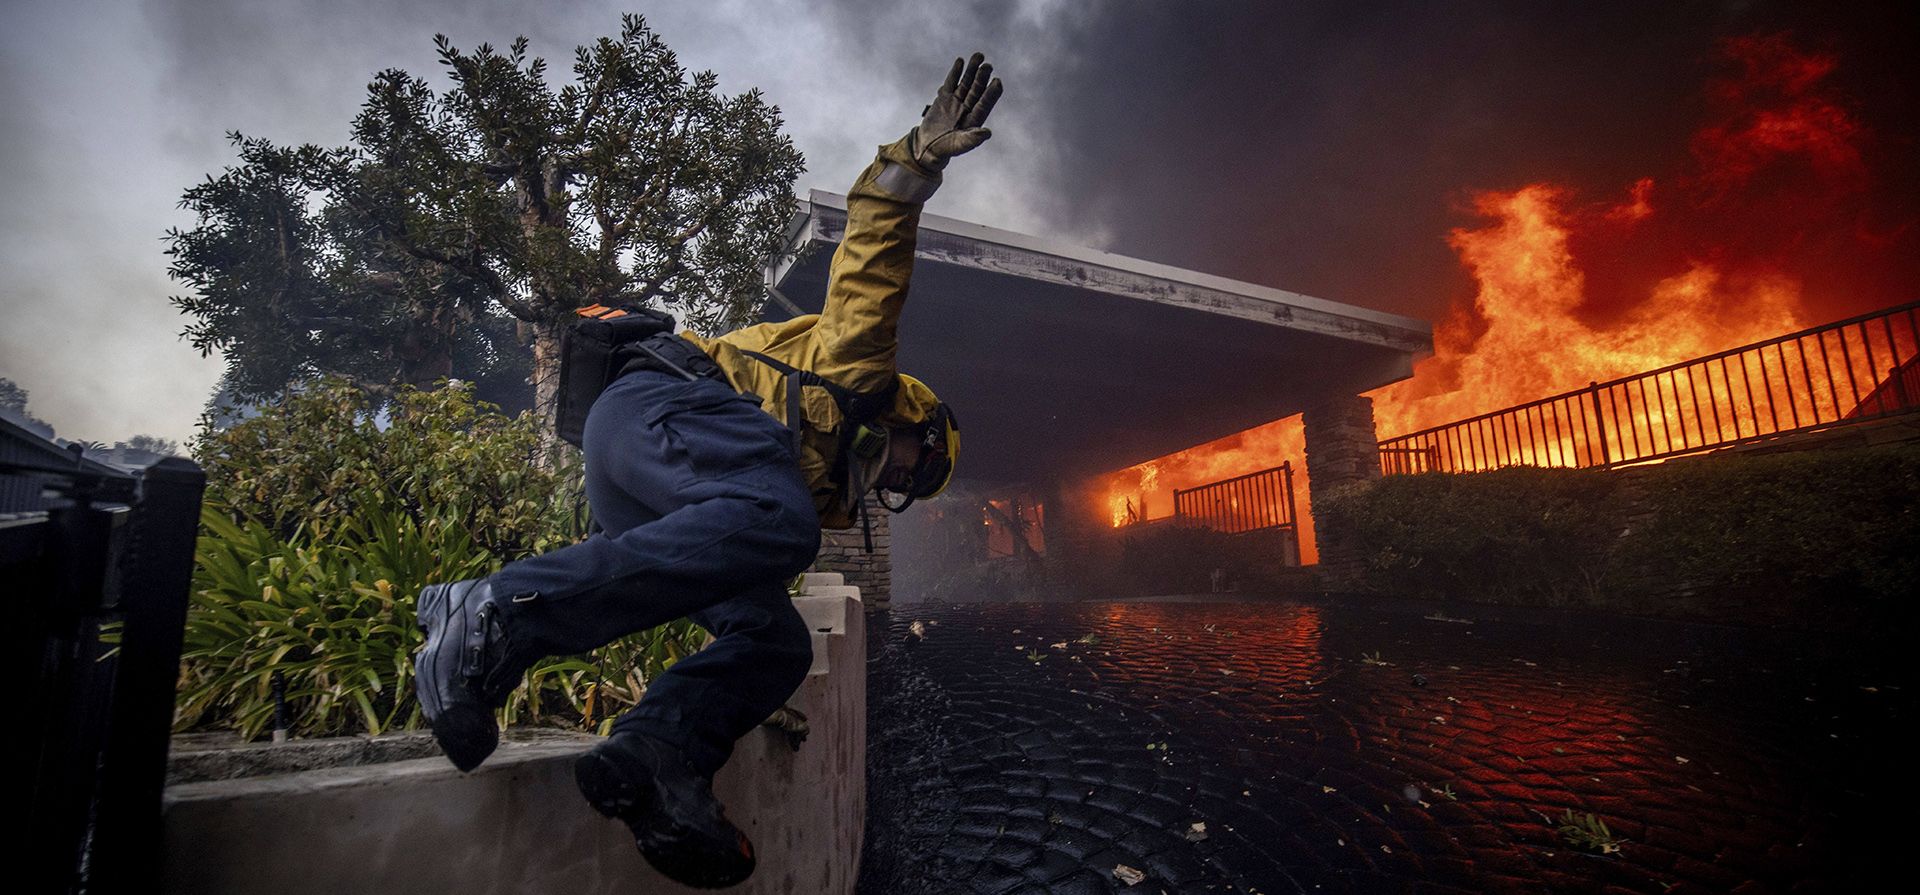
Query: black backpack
point(594, 351)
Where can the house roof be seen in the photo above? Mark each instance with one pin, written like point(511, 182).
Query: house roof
point(1063, 361)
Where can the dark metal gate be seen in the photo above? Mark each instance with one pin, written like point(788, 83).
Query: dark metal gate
point(97, 578)
point(1256, 502)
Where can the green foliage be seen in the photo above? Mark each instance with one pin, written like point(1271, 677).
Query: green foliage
point(319, 530)
point(1827, 535)
point(1587, 832)
point(1835, 528)
point(150, 444)
point(453, 218)
point(1516, 534)
point(334, 616)
point(320, 457)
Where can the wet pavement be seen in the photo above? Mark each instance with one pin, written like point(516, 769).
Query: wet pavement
point(1289, 747)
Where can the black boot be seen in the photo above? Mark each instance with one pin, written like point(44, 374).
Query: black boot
point(680, 827)
point(466, 669)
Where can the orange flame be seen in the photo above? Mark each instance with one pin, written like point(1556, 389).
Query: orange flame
point(1148, 488)
point(1702, 272)
point(1535, 342)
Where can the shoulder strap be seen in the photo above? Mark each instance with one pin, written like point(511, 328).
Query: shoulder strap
point(858, 407)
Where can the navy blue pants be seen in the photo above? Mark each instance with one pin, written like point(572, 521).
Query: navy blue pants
point(705, 516)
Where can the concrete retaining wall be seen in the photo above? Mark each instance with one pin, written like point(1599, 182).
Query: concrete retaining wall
point(519, 825)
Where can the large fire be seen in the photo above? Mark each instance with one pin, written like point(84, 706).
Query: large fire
point(1676, 256)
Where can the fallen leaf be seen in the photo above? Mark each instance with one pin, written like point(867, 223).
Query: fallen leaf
point(1128, 875)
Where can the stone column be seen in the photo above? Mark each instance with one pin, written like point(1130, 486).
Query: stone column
point(846, 552)
point(1342, 450)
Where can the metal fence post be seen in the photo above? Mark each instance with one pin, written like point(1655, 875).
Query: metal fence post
point(158, 573)
point(1600, 422)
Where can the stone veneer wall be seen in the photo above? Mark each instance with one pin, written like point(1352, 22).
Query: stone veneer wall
point(1342, 449)
point(845, 552)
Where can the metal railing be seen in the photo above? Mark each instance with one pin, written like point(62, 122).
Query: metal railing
point(97, 581)
point(1849, 371)
point(1253, 502)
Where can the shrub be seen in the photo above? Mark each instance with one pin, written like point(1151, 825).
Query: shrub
point(1173, 558)
point(319, 457)
point(1823, 536)
point(1516, 534)
point(319, 529)
point(1838, 530)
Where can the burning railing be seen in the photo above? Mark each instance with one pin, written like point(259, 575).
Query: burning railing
point(1257, 501)
point(1845, 372)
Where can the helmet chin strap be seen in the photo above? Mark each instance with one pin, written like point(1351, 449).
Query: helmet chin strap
point(882, 493)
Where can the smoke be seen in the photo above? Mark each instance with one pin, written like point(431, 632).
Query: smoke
point(1331, 148)
point(108, 112)
point(1327, 148)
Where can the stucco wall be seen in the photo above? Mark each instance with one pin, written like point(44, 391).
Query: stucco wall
point(518, 823)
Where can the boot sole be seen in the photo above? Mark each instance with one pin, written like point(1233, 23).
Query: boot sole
point(467, 734)
point(683, 855)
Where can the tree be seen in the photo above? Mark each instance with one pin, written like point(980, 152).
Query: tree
point(149, 444)
point(13, 407)
point(460, 226)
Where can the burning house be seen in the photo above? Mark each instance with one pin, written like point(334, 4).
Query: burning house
point(1067, 364)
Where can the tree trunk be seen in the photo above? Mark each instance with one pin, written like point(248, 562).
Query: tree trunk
point(546, 385)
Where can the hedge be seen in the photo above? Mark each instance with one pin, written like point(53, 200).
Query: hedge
point(1768, 537)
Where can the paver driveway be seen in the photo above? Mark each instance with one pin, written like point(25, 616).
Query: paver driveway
point(1333, 748)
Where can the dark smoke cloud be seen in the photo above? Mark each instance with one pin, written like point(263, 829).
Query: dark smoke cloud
point(1321, 147)
point(1329, 147)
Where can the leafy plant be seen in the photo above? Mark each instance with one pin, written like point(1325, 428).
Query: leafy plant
point(1827, 537)
point(1835, 530)
point(1588, 832)
point(323, 455)
point(320, 528)
point(337, 619)
point(1511, 535)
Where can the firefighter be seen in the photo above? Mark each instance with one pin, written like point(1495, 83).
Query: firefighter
point(711, 488)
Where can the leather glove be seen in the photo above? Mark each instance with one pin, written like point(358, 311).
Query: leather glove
point(953, 123)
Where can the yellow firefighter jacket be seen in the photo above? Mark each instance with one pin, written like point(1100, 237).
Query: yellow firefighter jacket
point(852, 341)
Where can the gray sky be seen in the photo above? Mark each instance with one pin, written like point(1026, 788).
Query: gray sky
point(1322, 146)
point(110, 110)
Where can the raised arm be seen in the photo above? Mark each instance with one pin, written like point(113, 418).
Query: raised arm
point(867, 282)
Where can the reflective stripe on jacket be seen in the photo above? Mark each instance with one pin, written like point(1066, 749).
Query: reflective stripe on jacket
point(853, 340)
